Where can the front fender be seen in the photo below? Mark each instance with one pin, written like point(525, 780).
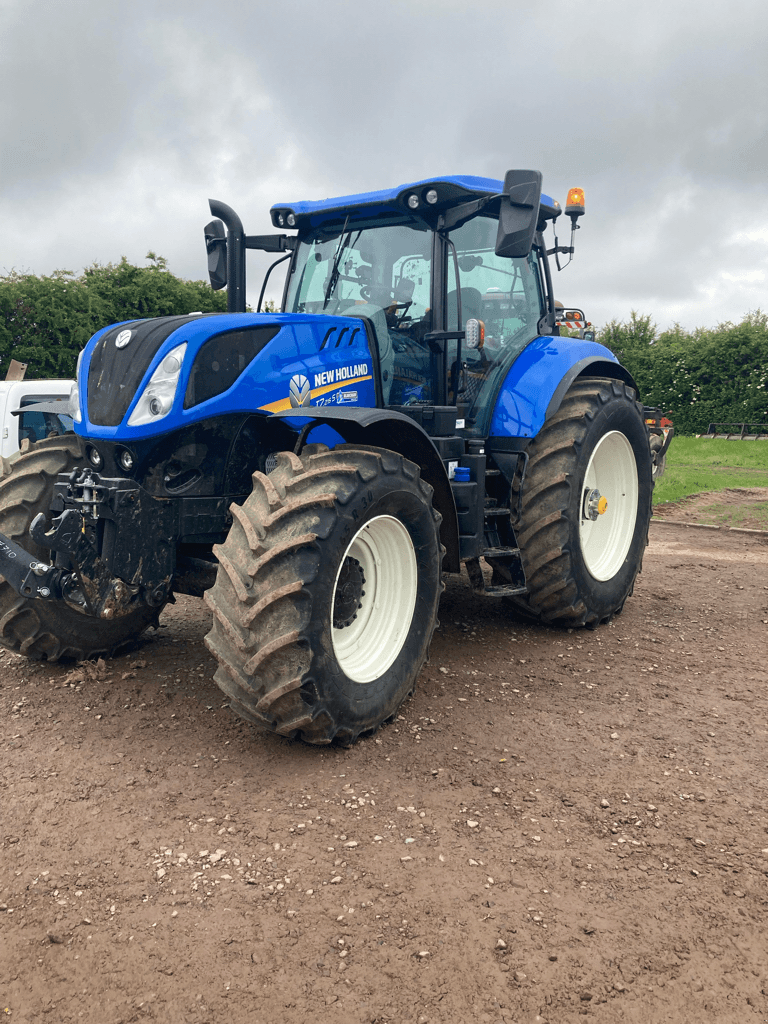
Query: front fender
point(385, 428)
point(539, 378)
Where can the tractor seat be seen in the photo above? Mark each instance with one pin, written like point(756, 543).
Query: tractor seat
point(471, 304)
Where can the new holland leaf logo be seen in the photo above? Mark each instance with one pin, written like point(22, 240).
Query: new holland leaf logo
point(299, 391)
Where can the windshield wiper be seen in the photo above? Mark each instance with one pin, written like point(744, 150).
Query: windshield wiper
point(336, 260)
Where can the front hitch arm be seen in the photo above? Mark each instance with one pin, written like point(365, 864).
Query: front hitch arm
point(104, 595)
point(88, 587)
point(29, 576)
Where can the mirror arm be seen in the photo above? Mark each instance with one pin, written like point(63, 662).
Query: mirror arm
point(271, 243)
point(434, 338)
point(458, 214)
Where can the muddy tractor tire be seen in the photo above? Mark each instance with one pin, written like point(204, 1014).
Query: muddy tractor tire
point(52, 630)
point(585, 506)
point(326, 594)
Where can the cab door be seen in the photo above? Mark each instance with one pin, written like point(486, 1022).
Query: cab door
point(506, 295)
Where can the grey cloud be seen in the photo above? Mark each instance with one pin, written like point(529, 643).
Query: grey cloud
point(130, 117)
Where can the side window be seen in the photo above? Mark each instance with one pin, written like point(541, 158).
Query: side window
point(504, 293)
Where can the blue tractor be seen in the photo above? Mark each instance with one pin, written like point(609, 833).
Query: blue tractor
point(313, 473)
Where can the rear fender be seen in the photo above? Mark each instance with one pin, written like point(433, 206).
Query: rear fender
point(383, 428)
point(541, 375)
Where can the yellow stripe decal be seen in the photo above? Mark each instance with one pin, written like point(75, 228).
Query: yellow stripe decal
point(285, 403)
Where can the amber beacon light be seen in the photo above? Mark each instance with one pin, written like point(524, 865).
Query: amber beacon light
point(574, 205)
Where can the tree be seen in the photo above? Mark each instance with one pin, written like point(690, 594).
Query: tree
point(635, 336)
point(46, 321)
point(709, 375)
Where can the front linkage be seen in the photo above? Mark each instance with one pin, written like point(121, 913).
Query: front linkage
point(114, 516)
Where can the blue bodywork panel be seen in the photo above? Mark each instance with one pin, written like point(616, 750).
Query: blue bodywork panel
point(461, 188)
point(532, 380)
point(330, 357)
point(331, 353)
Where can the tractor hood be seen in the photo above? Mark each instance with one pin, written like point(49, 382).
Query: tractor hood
point(147, 377)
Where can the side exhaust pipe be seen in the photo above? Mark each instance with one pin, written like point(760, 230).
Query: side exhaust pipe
point(229, 272)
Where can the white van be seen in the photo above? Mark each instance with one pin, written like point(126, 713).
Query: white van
point(35, 424)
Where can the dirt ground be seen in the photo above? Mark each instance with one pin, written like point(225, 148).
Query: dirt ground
point(740, 507)
point(558, 825)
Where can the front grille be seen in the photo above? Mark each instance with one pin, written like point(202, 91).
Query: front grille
point(115, 373)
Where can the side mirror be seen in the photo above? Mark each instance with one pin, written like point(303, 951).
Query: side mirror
point(216, 247)
point(518, 213)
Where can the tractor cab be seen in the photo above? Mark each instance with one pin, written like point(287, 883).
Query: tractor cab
point(417, 288)
point(419, 265)
point(450, 277)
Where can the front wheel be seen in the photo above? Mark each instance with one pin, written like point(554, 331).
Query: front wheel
point(326, 596)
point(586, 506)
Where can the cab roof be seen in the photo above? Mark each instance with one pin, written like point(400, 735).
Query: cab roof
point(392, 203)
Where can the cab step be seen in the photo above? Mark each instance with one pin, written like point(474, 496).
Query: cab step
point(504, 590)
point(501, 552)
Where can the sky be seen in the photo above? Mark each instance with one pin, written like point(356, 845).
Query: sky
point(120, 120)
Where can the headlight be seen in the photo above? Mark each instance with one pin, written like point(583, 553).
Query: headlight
point(157, 397)
point(74, 394)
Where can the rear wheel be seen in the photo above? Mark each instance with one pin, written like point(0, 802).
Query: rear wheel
point(586, 506)
point(326, 596)
point(50, 630)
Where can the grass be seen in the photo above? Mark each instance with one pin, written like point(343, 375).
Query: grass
point(694, 465)
point(754, 516)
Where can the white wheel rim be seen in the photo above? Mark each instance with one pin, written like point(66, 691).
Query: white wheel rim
point(612, 471)
point(369, 645)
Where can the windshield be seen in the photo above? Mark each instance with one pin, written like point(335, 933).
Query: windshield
point(383, 266)
point(505, 293)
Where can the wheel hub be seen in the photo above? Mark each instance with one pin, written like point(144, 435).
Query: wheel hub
point(374, 599)
point(349, 591)
point(610, 482)
point(594, 504)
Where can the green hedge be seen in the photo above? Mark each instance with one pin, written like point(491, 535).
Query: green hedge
point(46, 321)
point(697, 377)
